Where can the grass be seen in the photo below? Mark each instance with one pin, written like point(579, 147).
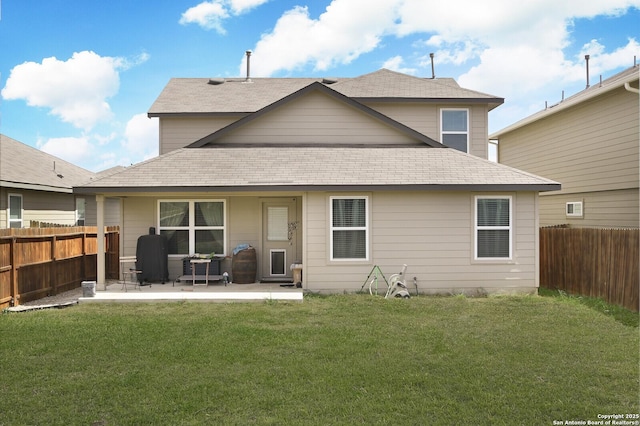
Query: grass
point(620, 314)
point(336, 360)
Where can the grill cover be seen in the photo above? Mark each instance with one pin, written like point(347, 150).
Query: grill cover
point(152, 254)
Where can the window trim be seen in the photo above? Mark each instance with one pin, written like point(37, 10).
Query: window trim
point(365, 228)
point(574, 204)
point(191, 228)
point(453, 132)
point(9, 220)
point(477, 228)
point(84, 216)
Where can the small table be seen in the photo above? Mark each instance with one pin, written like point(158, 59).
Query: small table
point(193, 269)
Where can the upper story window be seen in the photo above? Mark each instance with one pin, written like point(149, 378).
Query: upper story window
point(493, 227)
point(454, 128)
point(15, 213)
point(193, 226)
point(349, 228)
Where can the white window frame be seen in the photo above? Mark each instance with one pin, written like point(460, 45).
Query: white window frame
point(192, 220)
point(21, 219)
point(271, 252)
point(350, 228)
point(571, 205)
point(453, 132)
point(84, 216)
point(496, 228)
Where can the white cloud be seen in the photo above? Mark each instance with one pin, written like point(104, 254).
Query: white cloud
point(141, 137)
point(395, 64)
point(346, 30)
point(75, 150)
point(461, 32)
point(242, 6)
point(75, 90)
point(211, 14)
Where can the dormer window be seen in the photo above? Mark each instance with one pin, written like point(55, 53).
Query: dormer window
point(454, 128)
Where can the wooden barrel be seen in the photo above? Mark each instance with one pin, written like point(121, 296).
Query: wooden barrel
point(243, 266)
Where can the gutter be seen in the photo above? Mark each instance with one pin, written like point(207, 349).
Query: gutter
point(631, 89)
point(576, 99)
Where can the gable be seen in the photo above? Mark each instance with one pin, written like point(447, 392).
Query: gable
point(316, 119)
point(316, 115)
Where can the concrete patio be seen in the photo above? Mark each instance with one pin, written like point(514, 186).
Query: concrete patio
point(186, 291)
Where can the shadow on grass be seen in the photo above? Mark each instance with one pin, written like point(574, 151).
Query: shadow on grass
point(620, 314)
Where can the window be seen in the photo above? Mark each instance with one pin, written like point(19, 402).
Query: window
point(493, 227)
point(454, 128)
point(574, 209)
point(80, 211)
point(349, 228)
point(193, 226)
point(15, 211)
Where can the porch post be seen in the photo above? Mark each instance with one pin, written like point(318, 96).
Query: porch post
point(101, 284)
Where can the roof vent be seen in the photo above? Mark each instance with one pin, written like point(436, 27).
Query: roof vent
point(586, 58)
point(248, 53)
point(329, 80)
point(433, 69)
point(216, 81)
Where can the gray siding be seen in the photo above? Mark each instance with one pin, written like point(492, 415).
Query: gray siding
point(589, 148)
point(49, 207)
point(619, 208)
point(111, 211)
point(316, 119)
point(425, 118)
point(433, 234)
point(178, 132)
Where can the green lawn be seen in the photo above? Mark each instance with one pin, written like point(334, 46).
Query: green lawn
point(331, 360)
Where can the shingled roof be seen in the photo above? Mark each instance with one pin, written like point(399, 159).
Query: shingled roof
point(23, 166)
point(228, 96)
point(317, 168)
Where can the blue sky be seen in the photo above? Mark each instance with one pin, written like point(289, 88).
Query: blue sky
point(77, 77)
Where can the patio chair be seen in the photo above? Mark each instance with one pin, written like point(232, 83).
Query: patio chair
point(130, 274)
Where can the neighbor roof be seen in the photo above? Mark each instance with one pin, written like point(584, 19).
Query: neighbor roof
point(228, 96)
point(619, 80)
point(22, 166)
point(316, 168)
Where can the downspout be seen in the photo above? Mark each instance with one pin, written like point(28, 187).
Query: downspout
point(627, 85)
point(631, 89)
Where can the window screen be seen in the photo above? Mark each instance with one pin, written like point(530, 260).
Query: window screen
point(349, 232)
point(455, 128)
point(493, 227)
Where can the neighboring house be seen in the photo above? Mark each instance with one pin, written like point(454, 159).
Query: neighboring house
point(588, 142)
point(340, 175)
point(36, 186)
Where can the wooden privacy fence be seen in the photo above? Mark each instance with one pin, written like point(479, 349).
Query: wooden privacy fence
point(592, 262)
point(36, 262)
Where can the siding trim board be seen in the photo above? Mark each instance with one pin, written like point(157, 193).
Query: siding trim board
point(271, 188)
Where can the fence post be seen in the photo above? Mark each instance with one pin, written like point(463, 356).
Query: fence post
point(14, 272)
point(54, 278)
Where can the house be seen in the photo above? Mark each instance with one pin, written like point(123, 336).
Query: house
point(588, 142)
point(339, 175)
point(36, 186)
